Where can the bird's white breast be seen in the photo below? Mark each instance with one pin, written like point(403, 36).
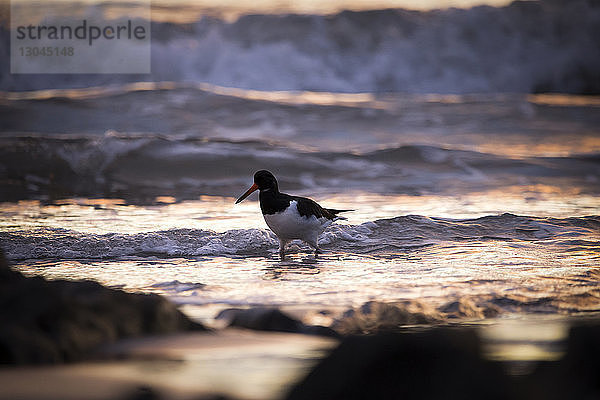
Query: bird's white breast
point(289, 224)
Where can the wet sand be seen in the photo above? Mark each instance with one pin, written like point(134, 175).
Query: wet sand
point(236, 363)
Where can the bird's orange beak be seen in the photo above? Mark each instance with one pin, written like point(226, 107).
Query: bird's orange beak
point(242, 197)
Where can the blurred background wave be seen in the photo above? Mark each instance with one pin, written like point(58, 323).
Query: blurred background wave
point(523, 47)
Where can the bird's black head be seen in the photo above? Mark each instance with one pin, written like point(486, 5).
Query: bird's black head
point(265, 180)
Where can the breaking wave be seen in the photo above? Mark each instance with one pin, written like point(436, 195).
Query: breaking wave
point(386, 237)
point(528, 46)
point(135, 167)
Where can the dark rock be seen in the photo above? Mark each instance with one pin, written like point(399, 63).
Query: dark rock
point(581, 365)
point(270, 319)
point(447, 363)
point(143, 393)
point(6, 273)
point(375, 317)
point(435, 364)
point(263, 319)
point(149, 393)
point(466, 308)
point(56, 321)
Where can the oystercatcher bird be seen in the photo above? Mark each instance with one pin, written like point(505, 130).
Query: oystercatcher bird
point(290, 217)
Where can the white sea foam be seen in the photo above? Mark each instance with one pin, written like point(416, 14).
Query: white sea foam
point(382, 237)
point(523, 47)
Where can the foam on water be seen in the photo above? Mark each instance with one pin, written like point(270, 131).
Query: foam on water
point(435, 270)
point(388, 237)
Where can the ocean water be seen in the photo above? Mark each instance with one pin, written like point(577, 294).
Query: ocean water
point(474, 196)
point(489, 201)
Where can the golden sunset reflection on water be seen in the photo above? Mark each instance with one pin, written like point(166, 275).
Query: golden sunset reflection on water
point(548, 271)
point(221, 214)
point(479, 271)
point(560, 146)
point(472, 268)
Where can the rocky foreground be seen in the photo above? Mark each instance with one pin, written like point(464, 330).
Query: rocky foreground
point(49, 322)
point(59, 321)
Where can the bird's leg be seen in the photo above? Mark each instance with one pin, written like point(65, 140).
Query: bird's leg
point(315, 244)
point(282, 244)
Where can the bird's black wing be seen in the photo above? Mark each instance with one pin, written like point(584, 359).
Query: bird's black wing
point(308, 207)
